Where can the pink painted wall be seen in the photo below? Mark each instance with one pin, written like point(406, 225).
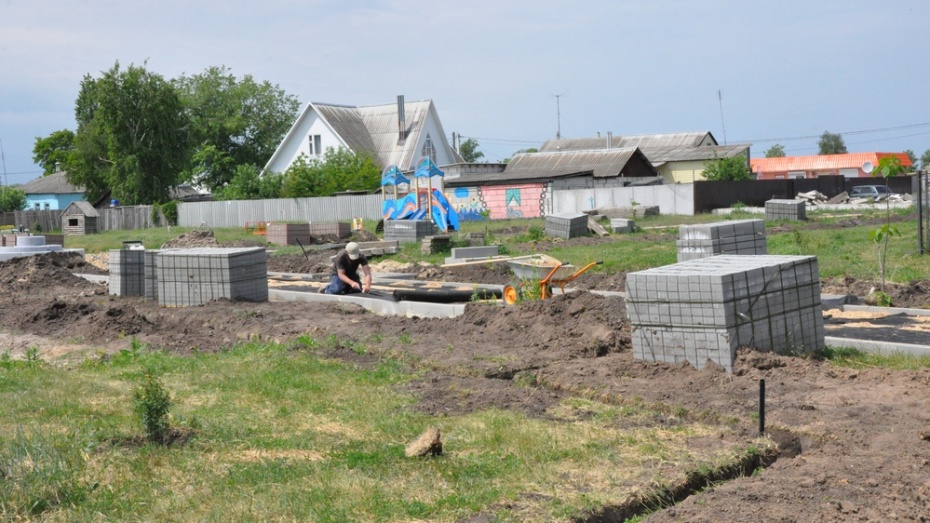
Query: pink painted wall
point(503, 201)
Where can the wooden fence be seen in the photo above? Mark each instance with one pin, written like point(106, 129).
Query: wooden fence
point(110, 219)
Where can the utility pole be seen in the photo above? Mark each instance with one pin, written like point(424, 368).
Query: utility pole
point(724, 125)
point(3, 159)
point(558, 113)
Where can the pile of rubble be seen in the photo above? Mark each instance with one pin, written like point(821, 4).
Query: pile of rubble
point(819, 198)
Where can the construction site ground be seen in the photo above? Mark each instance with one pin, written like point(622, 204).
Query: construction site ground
point(854, 444)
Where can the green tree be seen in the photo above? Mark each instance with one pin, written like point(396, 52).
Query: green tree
point(132, 136)
point(338, 170)
point(469, 151)
point(913, 157)
point(775, 151)
point(53, 149)
point(733, 168)
point(248, 184)
point(887, 167)
point(831, 144)
point(234, 122)
point(925, 159)
point(12, 199)
point(522, 151)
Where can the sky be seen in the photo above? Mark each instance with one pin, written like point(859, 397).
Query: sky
point(508, 73)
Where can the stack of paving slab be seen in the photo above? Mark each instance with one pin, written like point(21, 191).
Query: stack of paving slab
point(567, 225)
point(29, 246)
point(289, 233)
point(189, 277)
point(466, 254)
point(703, 310)
point(127, 272)
point(337, 229)
point(408, 231)
point(744, 237)
point(622, 225)
point(150, 284)
point(791, 210)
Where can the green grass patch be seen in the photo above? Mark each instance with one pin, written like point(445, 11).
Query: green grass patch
point(280, 433)
point(859, 359)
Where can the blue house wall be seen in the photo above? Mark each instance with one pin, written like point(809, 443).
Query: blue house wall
point(53, 202)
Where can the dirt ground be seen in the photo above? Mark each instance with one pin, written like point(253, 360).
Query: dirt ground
point(855, 444)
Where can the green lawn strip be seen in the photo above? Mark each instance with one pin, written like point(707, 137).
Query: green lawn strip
point(281, 434)
point(859, 359)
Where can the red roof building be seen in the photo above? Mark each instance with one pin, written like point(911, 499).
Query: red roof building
point(848, 165)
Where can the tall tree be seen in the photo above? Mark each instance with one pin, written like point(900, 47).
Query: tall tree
point(775, 151)
point(734, 168)
point(235, 122)
point(132, 136)
point(338, 170)
point(12, 199)
point(831, 144)
point(469, 151)
point(53, 150)
point(913, 158)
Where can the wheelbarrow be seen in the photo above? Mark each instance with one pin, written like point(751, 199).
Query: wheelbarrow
point(557, 273)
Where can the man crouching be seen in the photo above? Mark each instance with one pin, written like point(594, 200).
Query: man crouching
point(345, 272)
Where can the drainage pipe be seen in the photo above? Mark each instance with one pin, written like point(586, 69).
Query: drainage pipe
point(447, 295)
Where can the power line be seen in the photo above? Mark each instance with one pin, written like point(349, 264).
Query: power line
point(845, 133)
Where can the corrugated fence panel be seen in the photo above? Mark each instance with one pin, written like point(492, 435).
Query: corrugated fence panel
point(314, 210)
point(671, 199)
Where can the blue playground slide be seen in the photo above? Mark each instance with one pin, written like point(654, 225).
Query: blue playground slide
point(449, 218)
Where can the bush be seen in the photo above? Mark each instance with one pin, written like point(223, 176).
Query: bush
point(170, 211)
point(151, 403)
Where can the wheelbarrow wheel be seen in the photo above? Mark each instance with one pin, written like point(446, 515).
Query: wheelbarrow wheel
point(511, 295)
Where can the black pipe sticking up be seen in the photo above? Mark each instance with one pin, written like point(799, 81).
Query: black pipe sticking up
point(447, 295)
point(762, 407)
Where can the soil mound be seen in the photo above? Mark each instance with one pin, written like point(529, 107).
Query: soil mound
point(192, 239)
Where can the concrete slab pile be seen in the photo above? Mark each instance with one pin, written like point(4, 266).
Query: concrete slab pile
point(705, 309)
point(567, 225)
point(127, 272)
point(743, 237)
point(792, 210)
point(289, 233)
point(338, 229)
point(408, 231)
point(188, 277)
point(622, 225)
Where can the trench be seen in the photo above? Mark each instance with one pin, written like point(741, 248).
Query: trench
point(695, 482)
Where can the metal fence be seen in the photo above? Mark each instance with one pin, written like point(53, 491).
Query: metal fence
point(313, 210)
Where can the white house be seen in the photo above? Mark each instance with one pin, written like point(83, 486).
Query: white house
point(398, 134)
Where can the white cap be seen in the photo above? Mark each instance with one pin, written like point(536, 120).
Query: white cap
point(352, 250)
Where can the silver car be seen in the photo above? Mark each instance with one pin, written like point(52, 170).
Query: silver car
point(876, 192)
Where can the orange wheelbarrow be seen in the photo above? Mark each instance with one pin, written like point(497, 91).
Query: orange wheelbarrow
point(559, 274)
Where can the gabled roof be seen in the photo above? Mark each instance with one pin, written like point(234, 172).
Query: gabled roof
point(659, 155)
point(374, 128)
point(604, 163)
point(52, 184)
point(643, 141)
point(82, 207)
point(822, 162)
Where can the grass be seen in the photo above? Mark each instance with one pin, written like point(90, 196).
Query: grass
point(859, 359)
point(282, 434)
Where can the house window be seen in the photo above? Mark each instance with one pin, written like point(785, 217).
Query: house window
point(316, 148)
point(38, 207)
point(46, 206)
point(428, 150)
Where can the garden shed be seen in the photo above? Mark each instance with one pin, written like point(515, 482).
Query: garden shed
point(79, 218)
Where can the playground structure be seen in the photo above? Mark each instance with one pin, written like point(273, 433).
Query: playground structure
point(419, 203)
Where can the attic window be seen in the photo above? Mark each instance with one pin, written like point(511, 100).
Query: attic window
point(428, 149)
point(316, 148)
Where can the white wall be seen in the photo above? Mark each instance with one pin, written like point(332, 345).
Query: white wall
point(671, 198)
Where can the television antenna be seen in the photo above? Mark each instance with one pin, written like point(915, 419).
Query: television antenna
point(558, 113)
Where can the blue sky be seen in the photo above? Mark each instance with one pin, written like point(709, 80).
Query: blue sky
point(760, 72)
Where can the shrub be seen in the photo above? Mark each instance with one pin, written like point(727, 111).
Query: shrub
point(170, 211)
point(151, 403)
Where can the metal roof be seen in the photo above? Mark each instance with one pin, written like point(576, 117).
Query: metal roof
point(822, 162)
point(661, 155)
point(604, 163)
point(643, 141)
point(52, 184)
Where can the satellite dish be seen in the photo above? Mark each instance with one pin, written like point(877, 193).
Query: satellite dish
point(867, 167)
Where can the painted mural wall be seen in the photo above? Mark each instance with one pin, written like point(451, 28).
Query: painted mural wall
point(498, 201)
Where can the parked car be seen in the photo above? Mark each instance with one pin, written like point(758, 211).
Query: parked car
point(876, 192)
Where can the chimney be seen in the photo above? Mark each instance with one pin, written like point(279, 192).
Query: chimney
point(57, 167)
point(401, 120)
point(610, 139)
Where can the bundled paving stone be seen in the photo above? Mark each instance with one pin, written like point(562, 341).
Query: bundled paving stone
point(127, 272)
point(703, 310)
point(792, 210)
point(291, 233)
point(743, 237)
point(567, 225)
point(408, 231)
point(188, 277)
